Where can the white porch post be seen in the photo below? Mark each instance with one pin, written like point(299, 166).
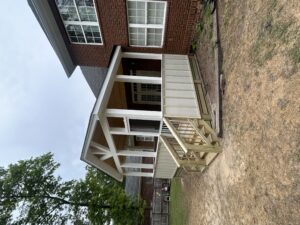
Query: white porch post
point(138, 79)
point(139, 174)
point(137, 165)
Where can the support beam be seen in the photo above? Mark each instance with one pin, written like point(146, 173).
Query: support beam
point(137, 165)
point(111, 143)
point(136, 153)
point(139, 174)
point(107, 86)
point(138, 55)
point(123, 131)
point(199, 132)
point(99, 147)
point(204, 148)
point(138, 79)
point(134, 114)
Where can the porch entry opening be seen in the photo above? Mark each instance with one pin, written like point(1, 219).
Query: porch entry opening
point(144, 125)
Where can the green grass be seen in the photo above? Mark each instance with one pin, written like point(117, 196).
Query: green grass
point(178, 214)
point(294, 53)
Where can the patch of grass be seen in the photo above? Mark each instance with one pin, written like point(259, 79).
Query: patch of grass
point(294, 53)
point(178, 214)
point(271, 35)
point(204, 28)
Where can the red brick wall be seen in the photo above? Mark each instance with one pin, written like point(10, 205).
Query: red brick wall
point(181, 16)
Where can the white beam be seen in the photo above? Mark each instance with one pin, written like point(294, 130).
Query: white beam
point(94, 161)
point(138, 79)
point(134, 114)
point(138, 55)
point(107, 86)
point(139, 174)
point(123, 131)
point(105, 157)
point(111, 143)
point(99, 147)
point(138, 165)
point(136, 153)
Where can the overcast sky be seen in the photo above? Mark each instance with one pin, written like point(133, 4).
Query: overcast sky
point(41, 110)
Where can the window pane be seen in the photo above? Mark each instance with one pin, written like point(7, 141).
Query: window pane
point(154, 37)
point(67, 10)
point(75, 33)
point(92, 34)
point(155, 13)
point(86, 10)
point(136, 12)
point(137, 36)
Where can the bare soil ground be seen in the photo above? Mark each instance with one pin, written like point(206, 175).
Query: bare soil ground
point(256, 180)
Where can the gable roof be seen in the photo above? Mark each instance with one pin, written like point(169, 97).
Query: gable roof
point(44, 15)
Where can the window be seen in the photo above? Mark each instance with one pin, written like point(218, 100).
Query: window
point(146, 22)
point(144, 138)
point(80, 20)
point(149, 94)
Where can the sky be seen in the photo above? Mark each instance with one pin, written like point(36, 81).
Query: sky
point(41, 110)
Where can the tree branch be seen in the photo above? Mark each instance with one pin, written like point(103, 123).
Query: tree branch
point(61, 200)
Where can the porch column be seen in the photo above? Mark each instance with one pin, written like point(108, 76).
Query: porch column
point(138, 79)
point(138, 165)
point(139, 174)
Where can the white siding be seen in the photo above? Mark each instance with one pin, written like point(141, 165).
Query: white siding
point(165, 165)
point(179, 96)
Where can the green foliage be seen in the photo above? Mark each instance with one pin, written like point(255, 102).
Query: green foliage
point(30, 190)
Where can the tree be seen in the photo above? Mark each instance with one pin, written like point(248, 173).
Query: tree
point(31, 193)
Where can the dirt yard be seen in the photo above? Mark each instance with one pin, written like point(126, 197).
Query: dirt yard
point(256, 180)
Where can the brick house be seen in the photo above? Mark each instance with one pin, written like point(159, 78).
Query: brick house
point(134, 55)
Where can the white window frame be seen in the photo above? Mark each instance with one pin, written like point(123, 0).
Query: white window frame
point(81, 24)
point(146, 26)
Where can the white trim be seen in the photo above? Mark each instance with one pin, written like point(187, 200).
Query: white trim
point(138, 79)
point(107, 86)
point(135, 114)
point(139, 55)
